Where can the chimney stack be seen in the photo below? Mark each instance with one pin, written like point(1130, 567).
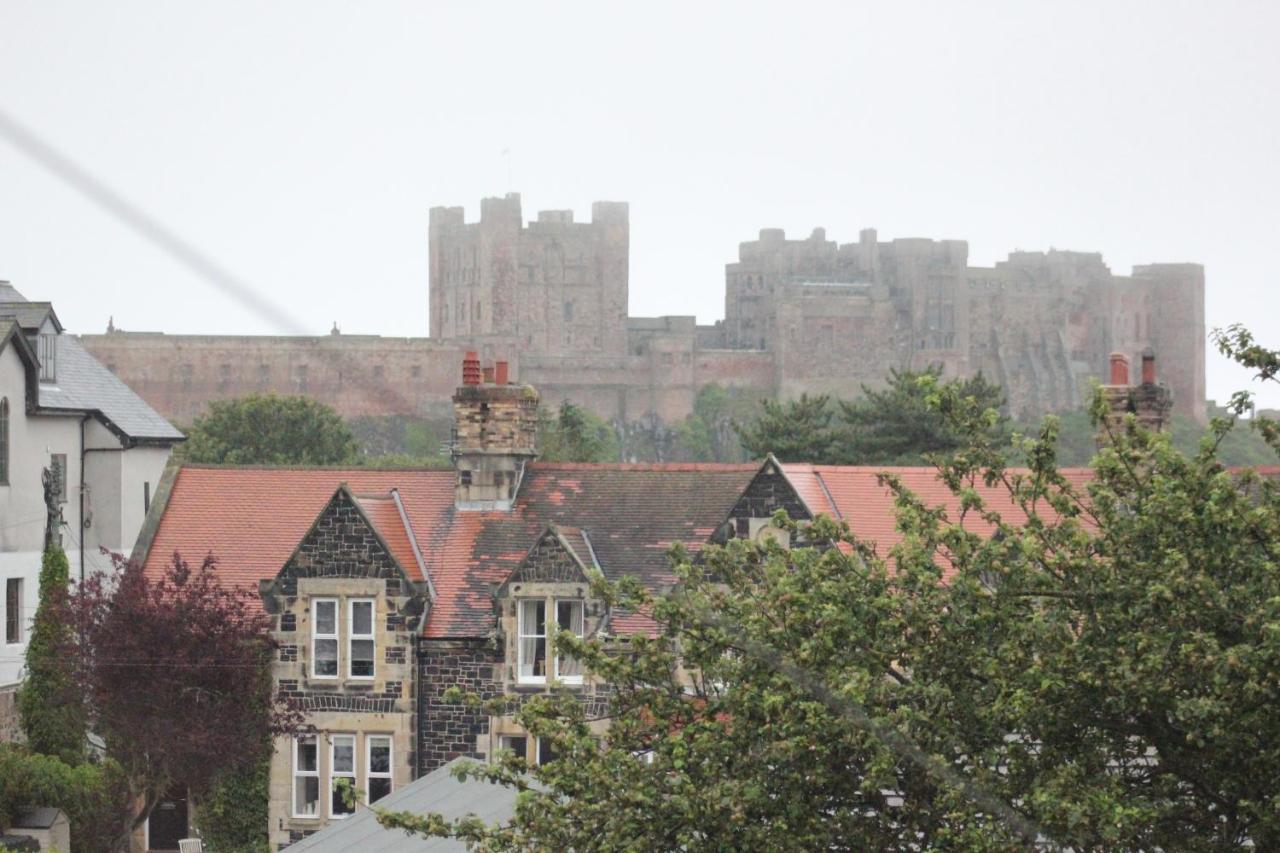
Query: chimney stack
point(1149, 402)
point(471, 369)
point(1119, 369)
point(494, 436)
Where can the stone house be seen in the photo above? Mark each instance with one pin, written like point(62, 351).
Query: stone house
point(62, 411)
point(389, 586)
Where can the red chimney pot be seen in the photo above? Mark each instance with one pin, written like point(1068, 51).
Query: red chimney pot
point(1119, 368)
point(1148, 368)
point(471, 369)
point(500, 375)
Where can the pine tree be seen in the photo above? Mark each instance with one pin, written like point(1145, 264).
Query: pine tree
point(52, 709)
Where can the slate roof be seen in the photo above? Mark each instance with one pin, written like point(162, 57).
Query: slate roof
point(9, 293)
point(437, 792)
point(84, 384)
point(252, 519)
point(29, 315)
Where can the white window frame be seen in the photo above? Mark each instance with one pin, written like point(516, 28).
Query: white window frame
point(369, 775)
point(305, 774)
point(582, 629)
point(335, 774)
point(352, 637)
point(317, 636)
point(522, 635)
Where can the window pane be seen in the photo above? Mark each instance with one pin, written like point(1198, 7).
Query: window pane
point(325, 621)
point(362, 658)
point(307, 791)
point(379, 755)
point(306, 754)
point(533, 657)
point(569, 618)
point(338, 803)
point(326, 657)
point(533, 617)
point(344, 754)
point(362, 617)
point(378, 788)
point(544, 751)
point(516, 743)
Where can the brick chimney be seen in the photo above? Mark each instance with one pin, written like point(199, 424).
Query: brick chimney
point(494, 435)
point(1150, 401)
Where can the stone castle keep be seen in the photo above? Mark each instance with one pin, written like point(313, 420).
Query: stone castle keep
point(550, 296)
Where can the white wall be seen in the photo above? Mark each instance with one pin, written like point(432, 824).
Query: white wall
point(113, 498)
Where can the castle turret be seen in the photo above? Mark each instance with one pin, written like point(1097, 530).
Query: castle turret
point(494, 436)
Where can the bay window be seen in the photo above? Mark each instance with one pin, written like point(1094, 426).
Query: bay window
point(306, 777)
point(324, 638)
point(378, 774)
point(360, 640)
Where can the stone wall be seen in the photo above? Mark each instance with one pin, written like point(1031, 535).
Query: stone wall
point(809, 315)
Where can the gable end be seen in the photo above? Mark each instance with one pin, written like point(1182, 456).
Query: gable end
point(768, 492)
point(549, 561)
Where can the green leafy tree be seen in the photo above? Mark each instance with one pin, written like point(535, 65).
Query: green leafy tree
point(575, 435)
point(897, 425)
point(1100, 674)
point(708, 434)
point(92, 795)
point(269, 430)
point(50, 704)
point(233, 815)
point(795, 431)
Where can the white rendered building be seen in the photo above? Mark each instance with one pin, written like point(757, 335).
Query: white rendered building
point(60, 409)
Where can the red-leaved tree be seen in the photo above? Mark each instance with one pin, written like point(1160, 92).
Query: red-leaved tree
point(175, 672)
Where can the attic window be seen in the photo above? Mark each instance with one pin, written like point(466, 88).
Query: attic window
point(48, 358)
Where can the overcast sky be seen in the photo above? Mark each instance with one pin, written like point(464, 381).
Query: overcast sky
point(302, 144)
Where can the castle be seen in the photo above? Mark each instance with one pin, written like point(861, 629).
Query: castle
point(812, 315)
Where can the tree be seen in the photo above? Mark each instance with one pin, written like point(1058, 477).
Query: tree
point(176, 673)
point(795, 431)
point(897, 426)
point(269, 430)
point(575, 435)
point(233, 815)
point(49, 702)
point(1097, 670)
point(708, 434)
point(92, 795)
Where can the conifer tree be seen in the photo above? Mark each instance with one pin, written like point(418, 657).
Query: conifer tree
point(53, 714)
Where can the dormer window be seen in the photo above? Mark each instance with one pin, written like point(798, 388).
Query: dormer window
point(48, 358)
point(533, 642)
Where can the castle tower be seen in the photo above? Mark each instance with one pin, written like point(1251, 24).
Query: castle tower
point(553, 287)
point(494, 436)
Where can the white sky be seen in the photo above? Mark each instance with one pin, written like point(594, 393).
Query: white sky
point(302, 144)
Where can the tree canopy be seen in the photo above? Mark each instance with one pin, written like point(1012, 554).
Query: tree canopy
point(269, 430)
point(575, 435)
point(890, 426)
point(1102, 673)
point(176, 674)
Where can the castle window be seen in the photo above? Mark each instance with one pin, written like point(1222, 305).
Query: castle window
point(568, 311)
point(324, 638)
point(532, 633)
point(342, 765)
point(569, 619)
point(306, 777)
point(478, 310)
point(378, 774)
point(186, 371)
point(362, 645)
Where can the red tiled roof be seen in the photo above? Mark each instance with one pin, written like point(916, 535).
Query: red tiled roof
point(383, 513)
point(855, 495)
point(252, 519)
